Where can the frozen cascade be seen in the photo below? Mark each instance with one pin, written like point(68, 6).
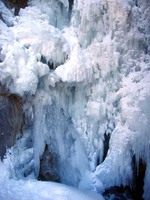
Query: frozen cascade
point(82, 71)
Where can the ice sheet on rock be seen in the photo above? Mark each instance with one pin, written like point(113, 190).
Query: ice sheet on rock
point(18, 162)
point(6, 15)
point(53, 127)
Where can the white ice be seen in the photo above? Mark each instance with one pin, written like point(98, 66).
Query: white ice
point(37, 190)
point(98, 84)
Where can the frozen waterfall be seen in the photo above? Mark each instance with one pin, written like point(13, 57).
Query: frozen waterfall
point(75, 77)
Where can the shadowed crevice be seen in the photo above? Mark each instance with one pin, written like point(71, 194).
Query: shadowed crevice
point(49, 166)
point(106, 145)
point(138, 178)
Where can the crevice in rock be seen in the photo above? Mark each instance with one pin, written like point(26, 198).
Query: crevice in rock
point(51, 65)
point(138, 178)
point(70, 8)
point(98, 161)
point(71, 5)
point(106, 145)
point(49, 166)
point(136, 3)
point(43, 59)
point(119, 193)
point(136, 191)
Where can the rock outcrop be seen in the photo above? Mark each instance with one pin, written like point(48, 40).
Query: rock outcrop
point(11, 119)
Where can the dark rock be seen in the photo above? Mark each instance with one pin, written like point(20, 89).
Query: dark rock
point(118, 193)
point(135, 192)
point(138, 176)
point(11, 120)
point(106, 145)
point(70, 7)
point(49, 166)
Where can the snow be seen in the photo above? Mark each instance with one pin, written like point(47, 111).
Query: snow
point(36, 190)
point(81, 78)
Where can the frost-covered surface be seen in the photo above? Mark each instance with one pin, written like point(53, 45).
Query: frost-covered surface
point(36, 190)
point(85, 79)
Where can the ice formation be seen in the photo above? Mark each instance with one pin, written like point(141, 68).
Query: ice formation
point(82, 70)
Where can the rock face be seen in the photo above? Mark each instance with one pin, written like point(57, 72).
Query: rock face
point(11, 120)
